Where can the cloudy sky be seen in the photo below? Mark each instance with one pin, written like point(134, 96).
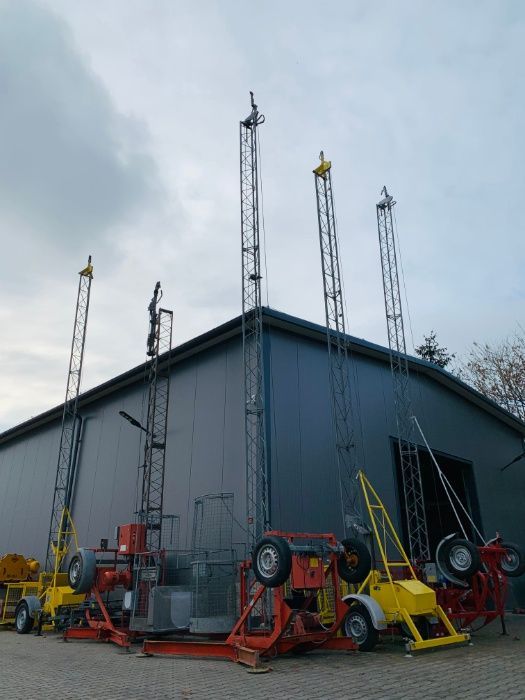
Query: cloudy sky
point(119, 138)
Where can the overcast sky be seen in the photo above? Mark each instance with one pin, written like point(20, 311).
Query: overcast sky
point(119, 139)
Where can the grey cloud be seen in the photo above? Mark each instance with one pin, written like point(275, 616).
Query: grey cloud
point(70, 165)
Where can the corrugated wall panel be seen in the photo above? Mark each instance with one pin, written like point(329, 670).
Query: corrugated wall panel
point(206, 448)
point(205, 454)
point(304, 489)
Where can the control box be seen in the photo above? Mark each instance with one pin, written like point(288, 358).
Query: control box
point(307, 571)
point(131, 538)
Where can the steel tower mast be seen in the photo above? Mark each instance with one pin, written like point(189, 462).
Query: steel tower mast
point(158, 343)
point(337, 347)
point(257, 507)
point(410, 468)
point(58, 529)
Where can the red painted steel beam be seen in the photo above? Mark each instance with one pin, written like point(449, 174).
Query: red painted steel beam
point(180, 648)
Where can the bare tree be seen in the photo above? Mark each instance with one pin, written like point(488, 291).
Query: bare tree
point(498, 371)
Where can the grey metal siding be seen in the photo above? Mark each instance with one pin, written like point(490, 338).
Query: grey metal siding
point(205, 452)
point(304, 485)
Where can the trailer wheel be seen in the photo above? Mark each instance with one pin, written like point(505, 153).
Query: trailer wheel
point(272, 561)
point(23, 620)
point(360, 628)
point(82, 570)
point(355, 563)
point(461, 557)
point(513, 562)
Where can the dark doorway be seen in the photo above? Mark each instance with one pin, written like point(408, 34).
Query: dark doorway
point(441, 520)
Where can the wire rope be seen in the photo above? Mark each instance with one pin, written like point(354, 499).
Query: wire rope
point(114, 481)
point(403, 279)
point(400, 256)
point(224, 414)
point(354, 372)
point(260, 185)
point(191, 457)
point(140, 464)
point(436, 495)
point(236, 520)
point(273, 427)
point(92, 499)
point(299, 421)
point(449, 490)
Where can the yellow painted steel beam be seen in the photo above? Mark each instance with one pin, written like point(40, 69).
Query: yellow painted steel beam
point(439, 642)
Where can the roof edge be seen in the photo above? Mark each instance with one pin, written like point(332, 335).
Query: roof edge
point(365, 347)
point(277, 319)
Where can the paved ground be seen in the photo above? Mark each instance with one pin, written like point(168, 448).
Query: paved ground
point(33, 667)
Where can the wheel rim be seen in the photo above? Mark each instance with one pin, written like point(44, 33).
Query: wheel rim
point(352, 559)
point(460, 557)
point(510, 561)
point(21, 618)
point(75, 571)
point(268, 561)
point(356, 627)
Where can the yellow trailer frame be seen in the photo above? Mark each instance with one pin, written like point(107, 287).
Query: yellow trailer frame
point(51, 591)
point(401, 600)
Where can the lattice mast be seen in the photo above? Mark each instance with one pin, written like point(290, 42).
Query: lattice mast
point(257, 506)
point(59, 528)
point(337, 347)
point(410, 468)
point(158, 344)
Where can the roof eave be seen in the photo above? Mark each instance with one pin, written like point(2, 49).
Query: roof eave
point(277, 319)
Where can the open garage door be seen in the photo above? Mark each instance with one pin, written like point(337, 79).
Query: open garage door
point(440, 516)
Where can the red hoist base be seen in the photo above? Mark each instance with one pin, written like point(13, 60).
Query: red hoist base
point(484, 598)
point(97, 623)
point(101, 628)
point(292, 629)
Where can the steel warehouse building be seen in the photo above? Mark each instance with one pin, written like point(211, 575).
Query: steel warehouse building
point(471, 436)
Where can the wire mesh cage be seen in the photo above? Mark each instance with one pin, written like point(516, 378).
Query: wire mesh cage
point(151, 571)
point(196, 589)
point(214, 605)
point(214, 565)
point(170, 533)
point(213, 523)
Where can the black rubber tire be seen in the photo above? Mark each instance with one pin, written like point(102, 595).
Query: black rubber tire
point(461, 557)
point(23, 620)
point(355, 564)
point(272, 561)
point(514, 564)
point(82, 571)
point(358, 626)
point(423, 625)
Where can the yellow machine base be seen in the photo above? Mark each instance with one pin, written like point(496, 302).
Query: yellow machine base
point(418, 643)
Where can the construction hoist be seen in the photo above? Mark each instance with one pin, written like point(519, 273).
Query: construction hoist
point(418, 544)
point(48, 600)
point(340, 390)
point(58, 539)
point(158, 344)
point(137, 565)
point(257, 500)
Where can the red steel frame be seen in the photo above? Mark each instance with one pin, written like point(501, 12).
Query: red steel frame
point(485, 597)
point(291, 630)
point(103, 628)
